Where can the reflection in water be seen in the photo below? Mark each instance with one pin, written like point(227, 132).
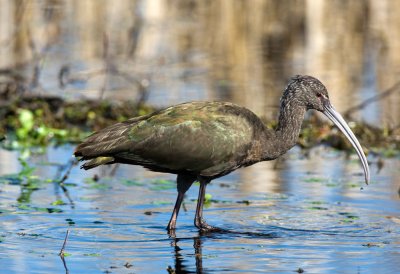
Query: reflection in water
point(61, 176)
point(181, 261)
point(198, 253)
point(64, 264)
point(310, 214)
point(261, 178)
point(62, 254)
point(188, 261)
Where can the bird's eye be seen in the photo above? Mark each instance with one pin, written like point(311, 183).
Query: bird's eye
point(319, 95)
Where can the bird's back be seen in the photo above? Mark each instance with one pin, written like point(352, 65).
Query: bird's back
point(203, 138)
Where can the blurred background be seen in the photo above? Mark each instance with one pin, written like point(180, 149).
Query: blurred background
point(64, 64)
point(182, 50)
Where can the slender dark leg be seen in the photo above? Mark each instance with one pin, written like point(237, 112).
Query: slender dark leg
point(198, 220)
point(175, 212)
point(183, 182)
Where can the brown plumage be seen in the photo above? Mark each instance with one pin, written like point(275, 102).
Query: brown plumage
point(206, 140)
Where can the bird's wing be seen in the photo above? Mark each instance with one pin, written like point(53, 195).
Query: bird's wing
point(206, 138)
point(108, 141)
point(196, 137)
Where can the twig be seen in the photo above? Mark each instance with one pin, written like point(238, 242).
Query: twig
point(65, 264)
point(66, 193)
point(65, 78)
point(377, 97)
point(66, 175)
point(61, 254)
point(60, 182)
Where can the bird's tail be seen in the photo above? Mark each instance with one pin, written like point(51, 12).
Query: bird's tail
point(101, 147)
point(97, 162)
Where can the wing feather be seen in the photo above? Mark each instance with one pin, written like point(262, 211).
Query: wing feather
point(200, 137)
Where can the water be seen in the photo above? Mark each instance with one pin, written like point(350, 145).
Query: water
point(301, 212)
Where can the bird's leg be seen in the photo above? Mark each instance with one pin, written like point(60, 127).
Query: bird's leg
point(175, 212)
point(183, 182)
point(198, 220)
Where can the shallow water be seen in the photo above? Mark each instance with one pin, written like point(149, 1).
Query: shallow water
point(305, 211)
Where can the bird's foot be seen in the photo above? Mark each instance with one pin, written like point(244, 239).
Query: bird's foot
point(205, 228)
point(171, 226)
point(171, 233)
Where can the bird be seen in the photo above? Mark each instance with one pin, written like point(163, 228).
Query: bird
point(204, 140)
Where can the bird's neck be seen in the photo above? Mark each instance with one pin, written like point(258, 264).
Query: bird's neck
point(287, 133)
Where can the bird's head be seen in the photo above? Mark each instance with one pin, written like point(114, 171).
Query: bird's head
point(307, 91)
point(310, 93)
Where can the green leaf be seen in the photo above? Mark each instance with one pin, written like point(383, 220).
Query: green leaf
point(314, 180)
point(58, 202)
point(26, 119)
point(26, 169)
point(128, 182)
point(162, 184)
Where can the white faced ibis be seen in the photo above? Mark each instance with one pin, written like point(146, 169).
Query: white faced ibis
point(201, 141)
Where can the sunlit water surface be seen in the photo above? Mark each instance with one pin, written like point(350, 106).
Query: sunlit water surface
point(306, 212)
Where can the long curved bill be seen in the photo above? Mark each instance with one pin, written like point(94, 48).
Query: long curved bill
point(338, 120)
